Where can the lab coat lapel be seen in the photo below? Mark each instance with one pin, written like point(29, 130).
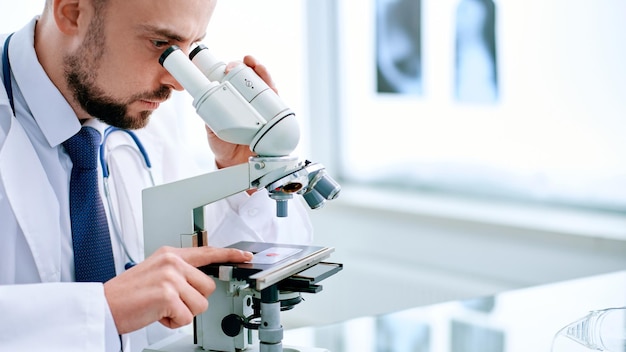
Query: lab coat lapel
point(32, 200)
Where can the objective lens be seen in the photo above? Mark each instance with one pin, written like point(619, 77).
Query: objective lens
point(327, 187)
point(282, 208)
point(314, 199)
point(281, 198)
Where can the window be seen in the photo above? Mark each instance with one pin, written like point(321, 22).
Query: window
point(549, 127)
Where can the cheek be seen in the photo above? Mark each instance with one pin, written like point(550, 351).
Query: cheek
point(128, 77)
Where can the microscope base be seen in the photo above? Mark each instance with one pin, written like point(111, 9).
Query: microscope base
point(184, 343)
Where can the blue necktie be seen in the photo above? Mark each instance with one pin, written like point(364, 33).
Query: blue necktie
point(93, 255)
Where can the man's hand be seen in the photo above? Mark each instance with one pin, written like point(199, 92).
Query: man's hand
point(166, 287)
point(228, 154)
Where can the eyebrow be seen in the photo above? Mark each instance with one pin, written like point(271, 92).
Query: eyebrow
point(164, 32)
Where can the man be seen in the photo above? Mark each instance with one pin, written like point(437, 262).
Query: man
point(84, 63)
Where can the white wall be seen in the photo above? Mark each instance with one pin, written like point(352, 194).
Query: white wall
point(14, 15)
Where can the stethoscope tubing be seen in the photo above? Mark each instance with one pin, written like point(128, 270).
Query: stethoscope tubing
point(6, 72)
point(105, 176)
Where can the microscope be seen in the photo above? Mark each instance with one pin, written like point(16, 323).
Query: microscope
point(239, 107)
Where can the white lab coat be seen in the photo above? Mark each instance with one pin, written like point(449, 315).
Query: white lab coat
point(37, 311)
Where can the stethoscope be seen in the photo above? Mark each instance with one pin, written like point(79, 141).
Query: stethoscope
point(6, 75)
point(141, 151)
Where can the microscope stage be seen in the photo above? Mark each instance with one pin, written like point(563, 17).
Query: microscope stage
point(273, 263)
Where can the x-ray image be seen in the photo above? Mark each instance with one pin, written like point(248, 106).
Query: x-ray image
point(476, 79)
point(398, 46)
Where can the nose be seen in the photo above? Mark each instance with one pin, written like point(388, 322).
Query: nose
point(168, 80)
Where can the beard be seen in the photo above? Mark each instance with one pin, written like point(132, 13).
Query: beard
point(103, 107)
point(80, 75)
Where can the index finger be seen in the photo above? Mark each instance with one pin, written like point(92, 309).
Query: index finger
point(260, 70)
point(200, 256)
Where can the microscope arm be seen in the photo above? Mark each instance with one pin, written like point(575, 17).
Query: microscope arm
point(169, 212)
point(173, 212)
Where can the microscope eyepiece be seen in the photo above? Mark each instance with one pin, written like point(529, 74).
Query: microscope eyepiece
point(196, 50)
point(167, 53)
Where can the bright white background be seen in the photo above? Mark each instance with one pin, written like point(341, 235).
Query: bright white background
point(13, 15)
point(557, 133)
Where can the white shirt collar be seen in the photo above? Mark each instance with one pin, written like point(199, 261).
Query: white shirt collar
point(51, 111)
point(97, 124)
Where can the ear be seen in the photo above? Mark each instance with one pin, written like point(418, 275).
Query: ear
point(66, 14)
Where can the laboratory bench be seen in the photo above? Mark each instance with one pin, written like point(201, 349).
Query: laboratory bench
point(523, 320)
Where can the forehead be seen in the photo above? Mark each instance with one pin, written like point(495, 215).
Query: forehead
point(186, 19)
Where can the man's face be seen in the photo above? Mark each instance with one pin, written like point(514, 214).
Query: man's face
point(115, 75)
